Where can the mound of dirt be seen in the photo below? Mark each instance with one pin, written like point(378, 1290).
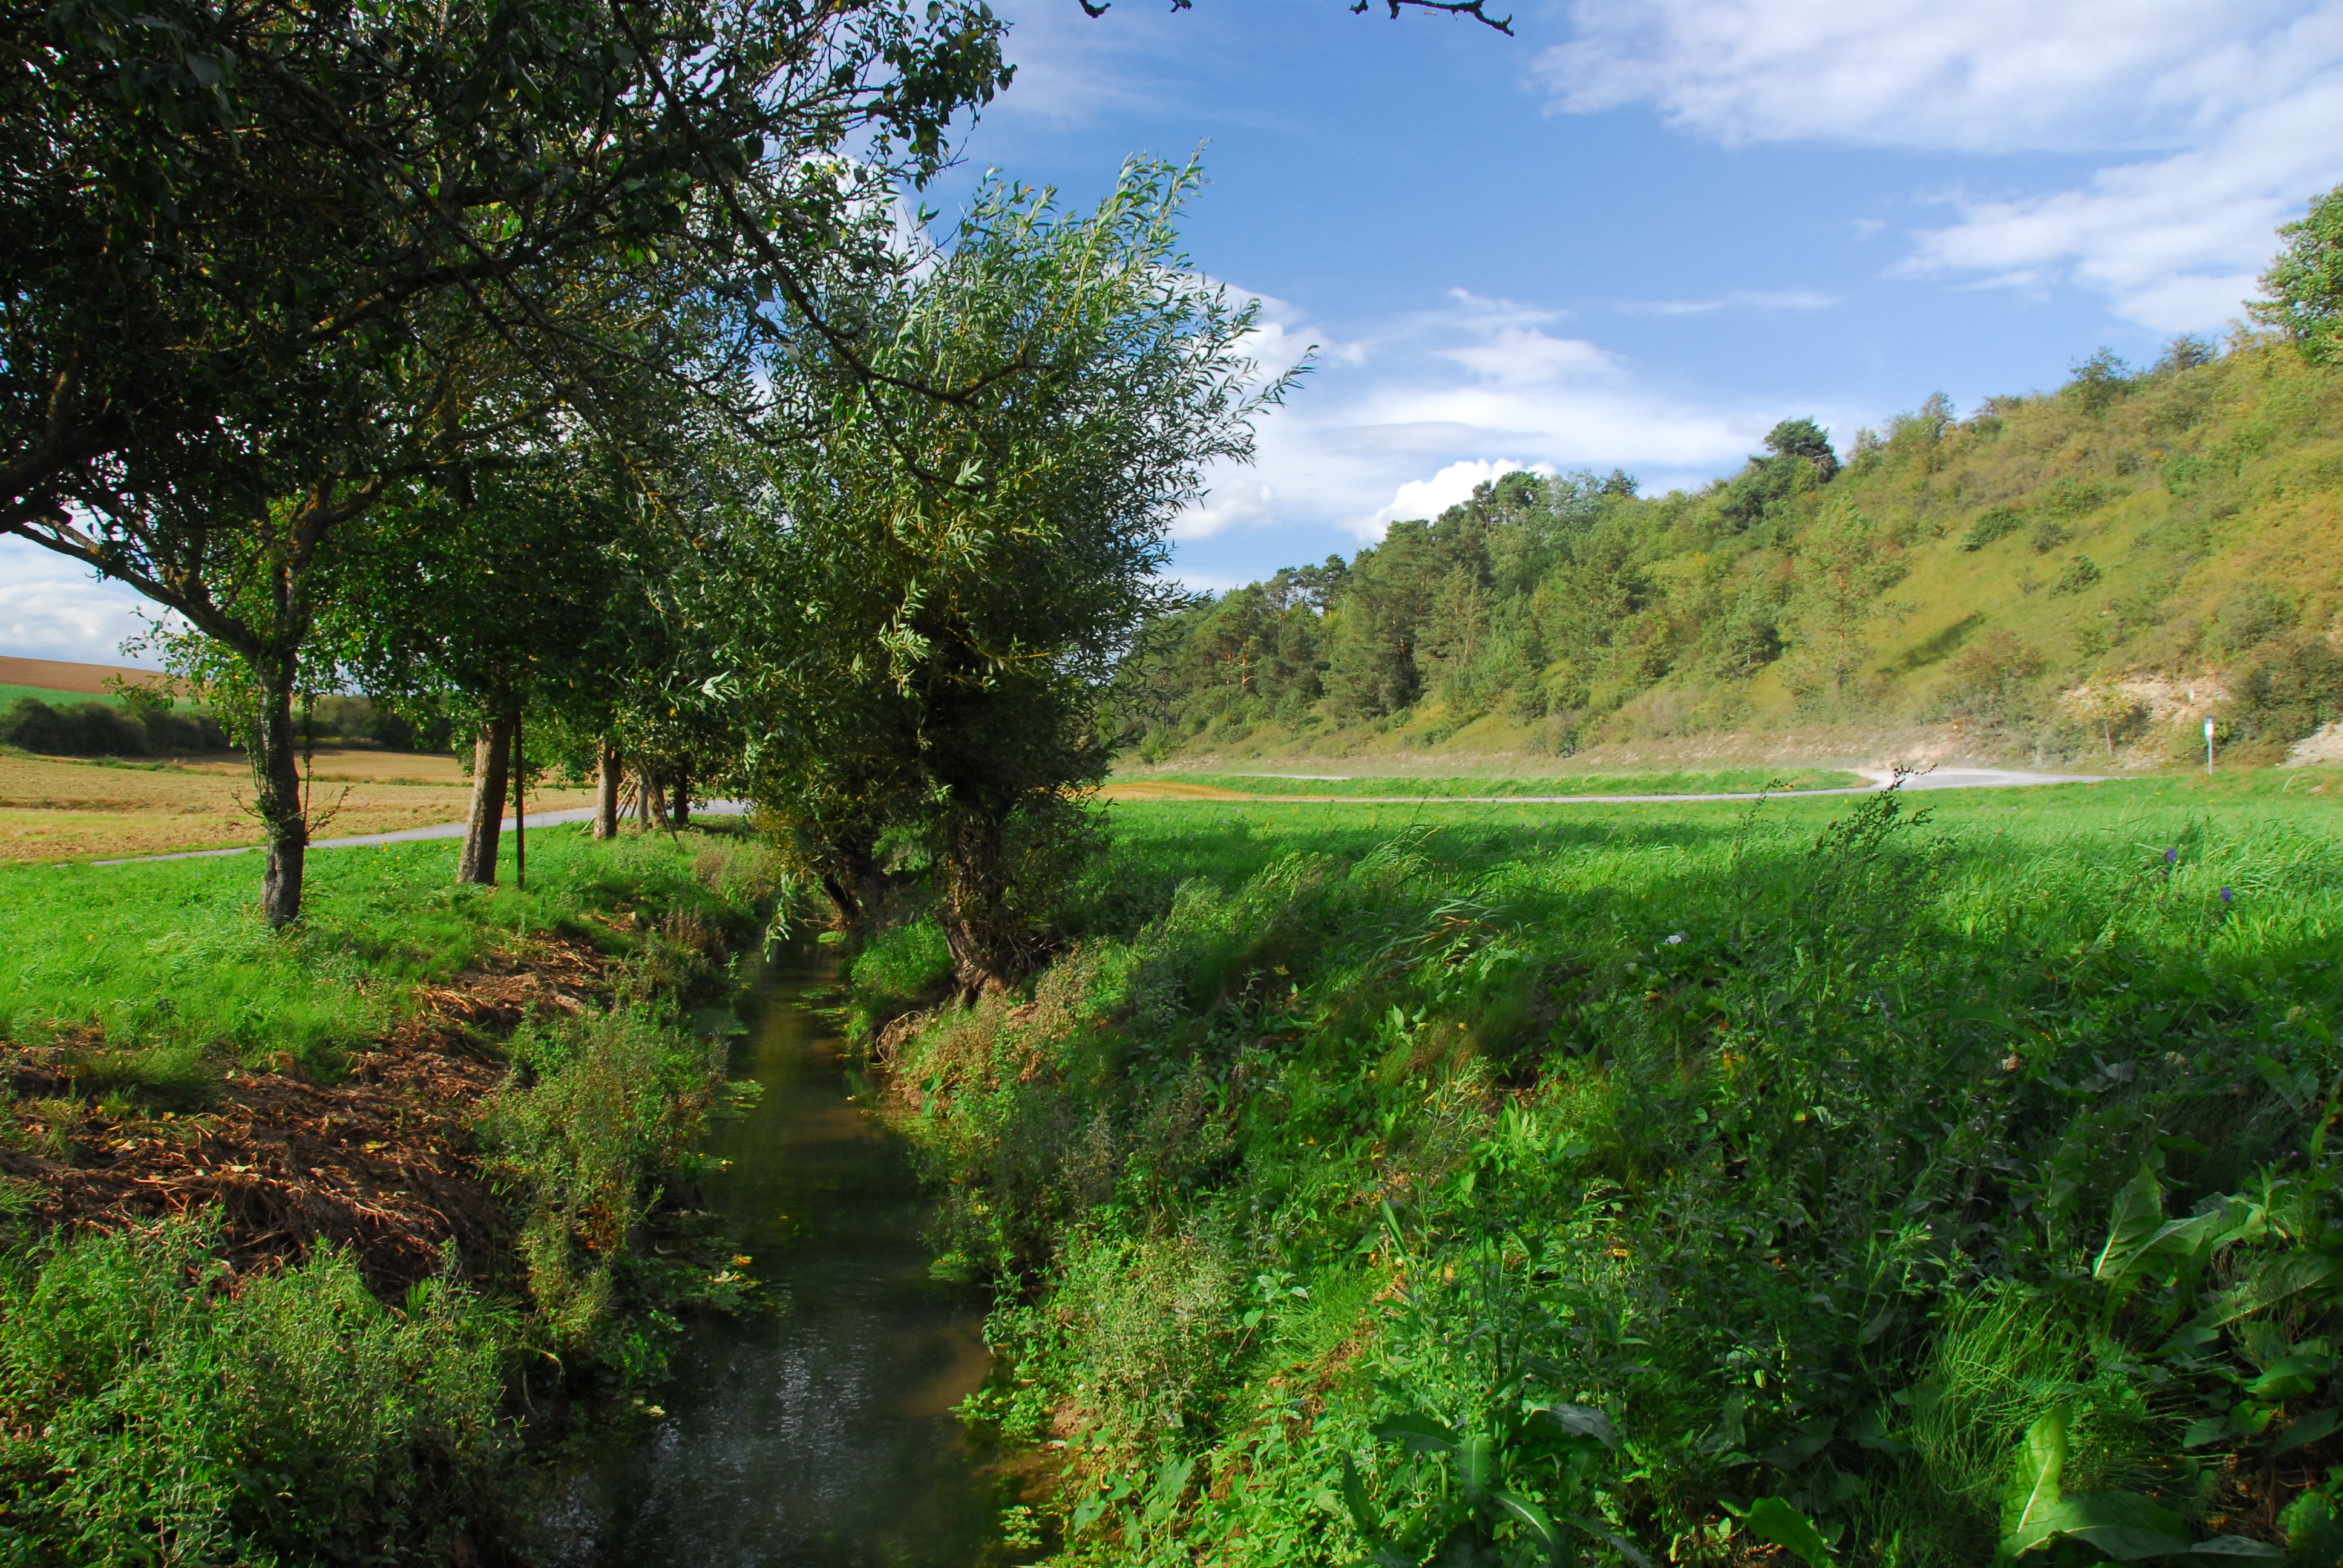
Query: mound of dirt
point(383, 1161)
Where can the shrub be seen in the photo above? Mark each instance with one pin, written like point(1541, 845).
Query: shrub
point(1998, 522)
point(2079, 574)
point(80, 729)
point(1987, 681)
point(150, 1413)
point(598, 1110)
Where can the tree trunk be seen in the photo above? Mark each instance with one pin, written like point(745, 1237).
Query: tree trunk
point(491, 754)
point(275, 762)
point(990, 946)
point(683, 801)
point(654, 802)
point(643, 802)
point(606, 802)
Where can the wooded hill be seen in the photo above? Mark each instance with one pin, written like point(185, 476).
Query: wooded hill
point(2082, 573)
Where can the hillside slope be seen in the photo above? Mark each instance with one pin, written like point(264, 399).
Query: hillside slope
point(2085, 573)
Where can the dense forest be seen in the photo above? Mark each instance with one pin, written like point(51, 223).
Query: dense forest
point(2092, 569)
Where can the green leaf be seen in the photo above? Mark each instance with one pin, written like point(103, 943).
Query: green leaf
point(1772, 1521)
point(1476, 1462)
point(1810, 1439)
point(2138, 1213)
point(1361, 1507)
point(2281, 1080)
point(2309, 1428)
point(1580, 1421)
point(2291, 1376)
point(2223, 1551)
point(2207, 1429)
point(2036, 1494)
point(2125, 1525)
point(1420, 1433)
point(2274, 1281)
point(1619, 1543)
point(2122, 1525)
point(1533, 1519)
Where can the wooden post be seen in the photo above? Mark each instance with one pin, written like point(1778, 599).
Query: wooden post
point(520, 812)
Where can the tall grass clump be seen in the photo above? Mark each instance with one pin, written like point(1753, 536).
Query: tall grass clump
point(1602, 1188)
point(158, 1405)
point(597, 1112)
point(151, 1414)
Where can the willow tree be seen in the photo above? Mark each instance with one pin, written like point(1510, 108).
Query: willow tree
point(264, 264)
point(930, 622)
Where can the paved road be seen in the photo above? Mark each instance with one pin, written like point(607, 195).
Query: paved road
point(1943, 778)
point(411, 834)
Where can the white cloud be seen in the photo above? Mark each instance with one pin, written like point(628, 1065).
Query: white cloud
point(50, 608)
point(1454, 483)
point(1986, 75)
point(1432, 403)
point(2173, 243)
point(2229, 116)
point(1739, 299)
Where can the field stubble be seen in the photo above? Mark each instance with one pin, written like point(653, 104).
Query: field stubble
point(66, 808)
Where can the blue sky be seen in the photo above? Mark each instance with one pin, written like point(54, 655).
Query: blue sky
point(1639, 232)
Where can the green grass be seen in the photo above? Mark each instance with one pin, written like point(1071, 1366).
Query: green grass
point(1785, 1140)
point(1730, 781)
point(168, 959)
point(146, 1412)
point(9, 694)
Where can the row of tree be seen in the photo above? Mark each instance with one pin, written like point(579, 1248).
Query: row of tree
point(575, 369)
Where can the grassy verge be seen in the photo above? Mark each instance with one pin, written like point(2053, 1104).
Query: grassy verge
point(1501, 1185)
point(307, 1230)
point(1718, 782)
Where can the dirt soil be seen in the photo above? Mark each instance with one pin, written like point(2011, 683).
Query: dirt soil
point(383, 1161)
point(66, 808)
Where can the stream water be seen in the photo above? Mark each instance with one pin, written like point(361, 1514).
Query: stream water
point(820, 1434)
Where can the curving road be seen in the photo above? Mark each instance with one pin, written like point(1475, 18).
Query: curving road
point(1941, 778)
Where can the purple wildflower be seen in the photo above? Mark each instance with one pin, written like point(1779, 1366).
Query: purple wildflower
point(2171, 857)
point(2225, 895)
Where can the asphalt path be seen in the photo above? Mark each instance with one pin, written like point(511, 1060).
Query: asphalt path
point(1939, 778)
point(415, 835)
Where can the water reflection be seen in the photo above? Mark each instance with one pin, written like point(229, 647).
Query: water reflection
point(819, 1436)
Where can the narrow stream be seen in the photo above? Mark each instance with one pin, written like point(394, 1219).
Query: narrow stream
point(819, 1435)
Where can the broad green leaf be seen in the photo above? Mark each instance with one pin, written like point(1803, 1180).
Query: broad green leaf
point(2309, 1428)
point(2281, 1080)
point(1772, 1521)
point(2223, 1551)
point(1810, 1439)
point(2291, 1376)
point(2286, 1275)
point(2207, 1429)
point(2035, 1492)
point(2123, 1525)
point(1476, 1462)
point(2138, 1213)
point(1533, 1519)
point(1582, 1421)
point(1619, 1543)
point(1420, 1433)
point(1361, 1507)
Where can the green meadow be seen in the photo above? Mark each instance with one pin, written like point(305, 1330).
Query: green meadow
point(1717, 781)
point(157, 1405)
point(1891, 1180)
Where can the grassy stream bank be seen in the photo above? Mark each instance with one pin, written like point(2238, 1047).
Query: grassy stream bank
point(1490, 1184)
point(310, 1235)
